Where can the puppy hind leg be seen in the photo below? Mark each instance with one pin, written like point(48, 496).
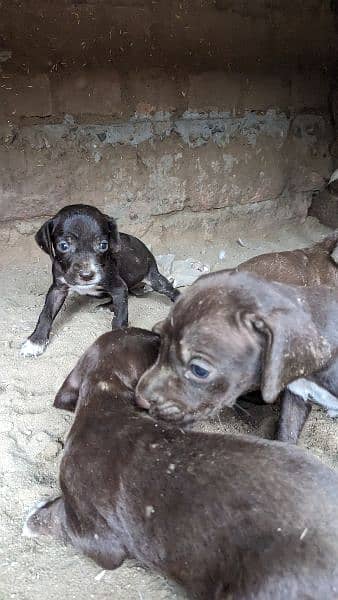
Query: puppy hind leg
point(109, 304)
point(294, 412)
point(140, 289)
point(160, 284)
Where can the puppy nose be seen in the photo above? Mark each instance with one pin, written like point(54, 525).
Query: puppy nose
point(86, 274)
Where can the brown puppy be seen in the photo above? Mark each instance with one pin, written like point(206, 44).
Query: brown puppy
point(225, 516)
point(233, 333)
point(316, 265)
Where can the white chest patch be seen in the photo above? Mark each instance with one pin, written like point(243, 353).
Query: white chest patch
point(315, 394)
point(87, 290)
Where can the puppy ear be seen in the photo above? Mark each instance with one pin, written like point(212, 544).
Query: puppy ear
point(68, 394)
point(334, 254)
point(294, 348)
point(114, 237)
point(43, 238)
point(158, 327)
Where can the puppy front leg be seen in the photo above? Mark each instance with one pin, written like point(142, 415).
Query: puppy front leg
point(294, 412)
point(118, 291)
point(37, 342)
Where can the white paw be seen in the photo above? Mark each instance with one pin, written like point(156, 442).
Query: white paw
point(26, 531)
point(29, 348)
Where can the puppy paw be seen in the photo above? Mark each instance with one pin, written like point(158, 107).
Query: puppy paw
point(31, 525)
point(34, 349)
point(104, 306)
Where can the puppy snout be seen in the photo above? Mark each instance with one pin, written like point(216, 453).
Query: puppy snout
point(166, 410)
point(84, 271)
point(86, 274)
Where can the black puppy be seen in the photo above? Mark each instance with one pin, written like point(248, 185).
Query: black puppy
point(91, 258)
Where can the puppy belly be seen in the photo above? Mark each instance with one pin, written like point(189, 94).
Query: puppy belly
point(315, 394)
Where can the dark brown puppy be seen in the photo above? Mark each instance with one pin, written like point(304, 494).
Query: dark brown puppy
point(90, 257)
point(316, 265)
point(233, 333)
point(225, 516)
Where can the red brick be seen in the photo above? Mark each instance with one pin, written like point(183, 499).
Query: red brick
point(215, 90)
point(87, 92)
point(263, 91)
point(24, 96)
point(152, 90)
point(310, 91)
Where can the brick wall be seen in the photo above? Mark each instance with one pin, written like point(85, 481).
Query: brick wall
point(147, 109)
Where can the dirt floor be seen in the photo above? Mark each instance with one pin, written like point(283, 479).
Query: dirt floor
point(32, 432)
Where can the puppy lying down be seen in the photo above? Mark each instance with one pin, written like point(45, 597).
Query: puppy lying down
point(225, 516)
point(316, 265)
point(232, 333)
point(90, 257)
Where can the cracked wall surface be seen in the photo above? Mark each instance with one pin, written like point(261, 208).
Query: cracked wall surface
point(154, 109)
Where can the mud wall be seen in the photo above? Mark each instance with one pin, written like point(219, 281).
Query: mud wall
point(150, 109)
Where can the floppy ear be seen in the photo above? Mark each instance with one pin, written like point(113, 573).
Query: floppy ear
point(158, 327)
point(43, 238)
point(68, 394)
point(114, 238)
point(294, 348)
point(334, 254)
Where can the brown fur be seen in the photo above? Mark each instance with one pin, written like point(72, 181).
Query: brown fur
point(312, 266)
point(254, 334)
point(225, 516)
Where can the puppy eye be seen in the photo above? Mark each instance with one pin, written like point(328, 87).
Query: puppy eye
point(103, 246)
point(63, 246)
point(198, 370)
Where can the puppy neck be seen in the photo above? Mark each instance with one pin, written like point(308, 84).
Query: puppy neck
point(109, 395)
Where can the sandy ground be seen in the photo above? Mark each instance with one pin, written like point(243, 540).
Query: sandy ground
point(32, 432)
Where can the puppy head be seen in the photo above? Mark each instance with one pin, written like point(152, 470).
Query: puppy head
point(81, 240)
point(229, 334)
point(114, 362)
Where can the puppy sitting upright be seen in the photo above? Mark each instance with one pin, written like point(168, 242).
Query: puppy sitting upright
point(91, 258)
